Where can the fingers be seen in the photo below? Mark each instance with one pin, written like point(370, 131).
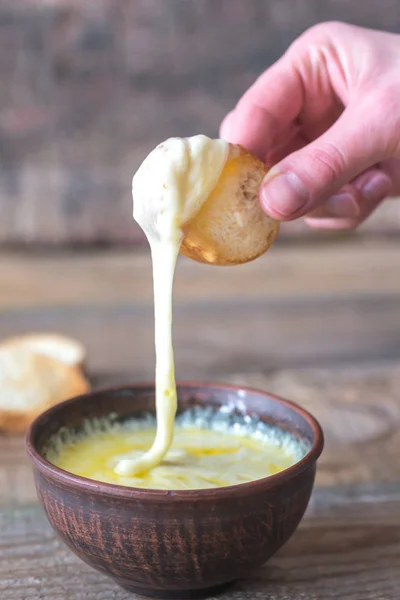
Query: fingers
point(392, 168)
point(335, 86)
point(298, 87)
point(266, 111)
point(354, 203)
point(309, 177)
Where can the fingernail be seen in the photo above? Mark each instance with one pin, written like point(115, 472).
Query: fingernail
point(283, 194)
point(342, 205)
point(377, 187)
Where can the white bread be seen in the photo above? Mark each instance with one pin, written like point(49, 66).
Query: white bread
point(231, 228)
point(31, 382)
point(64, 349)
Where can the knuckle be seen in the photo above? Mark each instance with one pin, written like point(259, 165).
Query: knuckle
point(326, 29)
point(328, 162)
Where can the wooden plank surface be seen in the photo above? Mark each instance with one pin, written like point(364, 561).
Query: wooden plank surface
point(285, 273)
point(214, 340)
point(314, 323)
point(88, 88)
point(347, 547)
point(297, 306)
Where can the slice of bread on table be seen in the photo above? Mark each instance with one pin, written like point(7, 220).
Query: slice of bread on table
point(65, 349)
point(37, 372)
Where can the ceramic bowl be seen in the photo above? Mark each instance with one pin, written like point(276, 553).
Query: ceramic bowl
point(175, 544)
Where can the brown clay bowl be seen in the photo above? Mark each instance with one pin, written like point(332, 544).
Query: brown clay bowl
point(175, 544)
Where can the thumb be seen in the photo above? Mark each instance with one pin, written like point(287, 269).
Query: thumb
point(308, 177)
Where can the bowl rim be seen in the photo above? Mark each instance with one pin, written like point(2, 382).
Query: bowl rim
point(119, 491)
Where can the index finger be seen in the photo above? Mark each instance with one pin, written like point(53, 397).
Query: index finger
point(268, 108)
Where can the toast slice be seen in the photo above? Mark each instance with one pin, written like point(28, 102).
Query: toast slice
point(231, 228)
point(31, 383)
point(64, 349)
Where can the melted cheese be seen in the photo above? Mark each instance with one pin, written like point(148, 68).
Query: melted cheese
point(168, 189)
point(197, 458)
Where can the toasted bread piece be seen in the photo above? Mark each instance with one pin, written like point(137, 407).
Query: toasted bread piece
point(30, 383)
point(231, 228)
point(64, 349)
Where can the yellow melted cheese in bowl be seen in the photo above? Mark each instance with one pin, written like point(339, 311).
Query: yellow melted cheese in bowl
point(227, 453)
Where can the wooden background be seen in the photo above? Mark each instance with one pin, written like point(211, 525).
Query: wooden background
point(87, 88)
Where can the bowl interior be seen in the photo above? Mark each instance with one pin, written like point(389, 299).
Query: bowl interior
point(128, 402)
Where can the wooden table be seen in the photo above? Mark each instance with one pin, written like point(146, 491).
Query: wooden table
point(319, 324)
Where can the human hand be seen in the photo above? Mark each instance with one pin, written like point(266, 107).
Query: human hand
point(327, 116)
